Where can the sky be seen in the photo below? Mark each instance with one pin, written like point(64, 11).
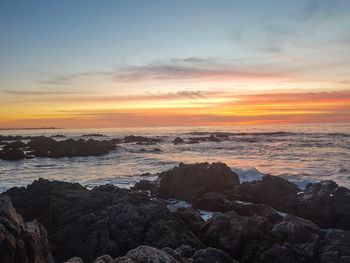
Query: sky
point(76, 64)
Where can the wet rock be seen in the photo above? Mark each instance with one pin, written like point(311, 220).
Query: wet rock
point(192, 142)
point(335, 246)
point(21, 242)
point(188, 181)
point(132, 138)
point(48, 147)
point(326, 204)
point(104, 259)
point(75, 260)
point(15, 145)
point(178, 140)
point(12, 154)
point(272, 190)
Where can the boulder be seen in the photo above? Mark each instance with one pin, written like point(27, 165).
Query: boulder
point(326, 204)
point(146, 185)
point(189, 181)
point(21, 242)
point(10, 154)
point(213, 138)
point(146, 254)
point(272, 190)
point(212, 255)
point(239, 236)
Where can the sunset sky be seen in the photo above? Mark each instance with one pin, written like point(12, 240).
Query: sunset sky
point(75, 64)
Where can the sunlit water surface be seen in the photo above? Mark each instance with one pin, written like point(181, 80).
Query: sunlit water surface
point(300, 153)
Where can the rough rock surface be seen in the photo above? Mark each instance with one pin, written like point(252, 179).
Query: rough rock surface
point(188, 181)
point(21, 242)
point(132, 138)
point(12, 154)
point(48, 147)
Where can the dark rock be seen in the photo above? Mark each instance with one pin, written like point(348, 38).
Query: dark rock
point(188, 181)
point(272, 190)
point(12, 154)
point(132, 138)
point(326, 204)
point(295, 239)
point(236, 235)
point(21, 242)
point(217, 202)
point(213, 138)
point(48, 147)
point(335, 247)
point(212, 255)
point(93, 135)
point(15, 145)
point(146, 254)
point(192, 142)
point(58, 136)
point(104, 259)
point(102, 221)
point(178, 140)
point(146, 185)
point(74, 260)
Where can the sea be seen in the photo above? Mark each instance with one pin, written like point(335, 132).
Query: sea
point(301, 154)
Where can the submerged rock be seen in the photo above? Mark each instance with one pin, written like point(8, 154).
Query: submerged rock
point(15, 145)
point(188, 181)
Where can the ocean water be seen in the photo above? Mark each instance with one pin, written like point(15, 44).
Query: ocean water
point(299, 153)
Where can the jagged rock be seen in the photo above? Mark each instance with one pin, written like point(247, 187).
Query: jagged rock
point(212, 255)
point(188, 181)
point(104, 259)
point(178, 140)
point(102, 221)
point(21, 242)
point(10, 154)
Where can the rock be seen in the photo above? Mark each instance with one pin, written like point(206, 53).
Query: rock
point(105, 220)
point(21, 242)
point(48, 147)
point(192, 142)
point(104, 259)
point(326, 204)
point(93, 135)
point(212, 255)
point(188, 181)
point(335, 246)
point(75, 260)
point(15, 145)
point(146, 185)
point(146, 254)
point(217, 202)
point(236, 235)
point(272, 190)
point(132, 138)
point(295, 239)
point(213, 138)
point(12, 154)
point(178, 140)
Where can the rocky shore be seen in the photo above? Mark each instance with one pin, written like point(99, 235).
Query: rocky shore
point(271, 220)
